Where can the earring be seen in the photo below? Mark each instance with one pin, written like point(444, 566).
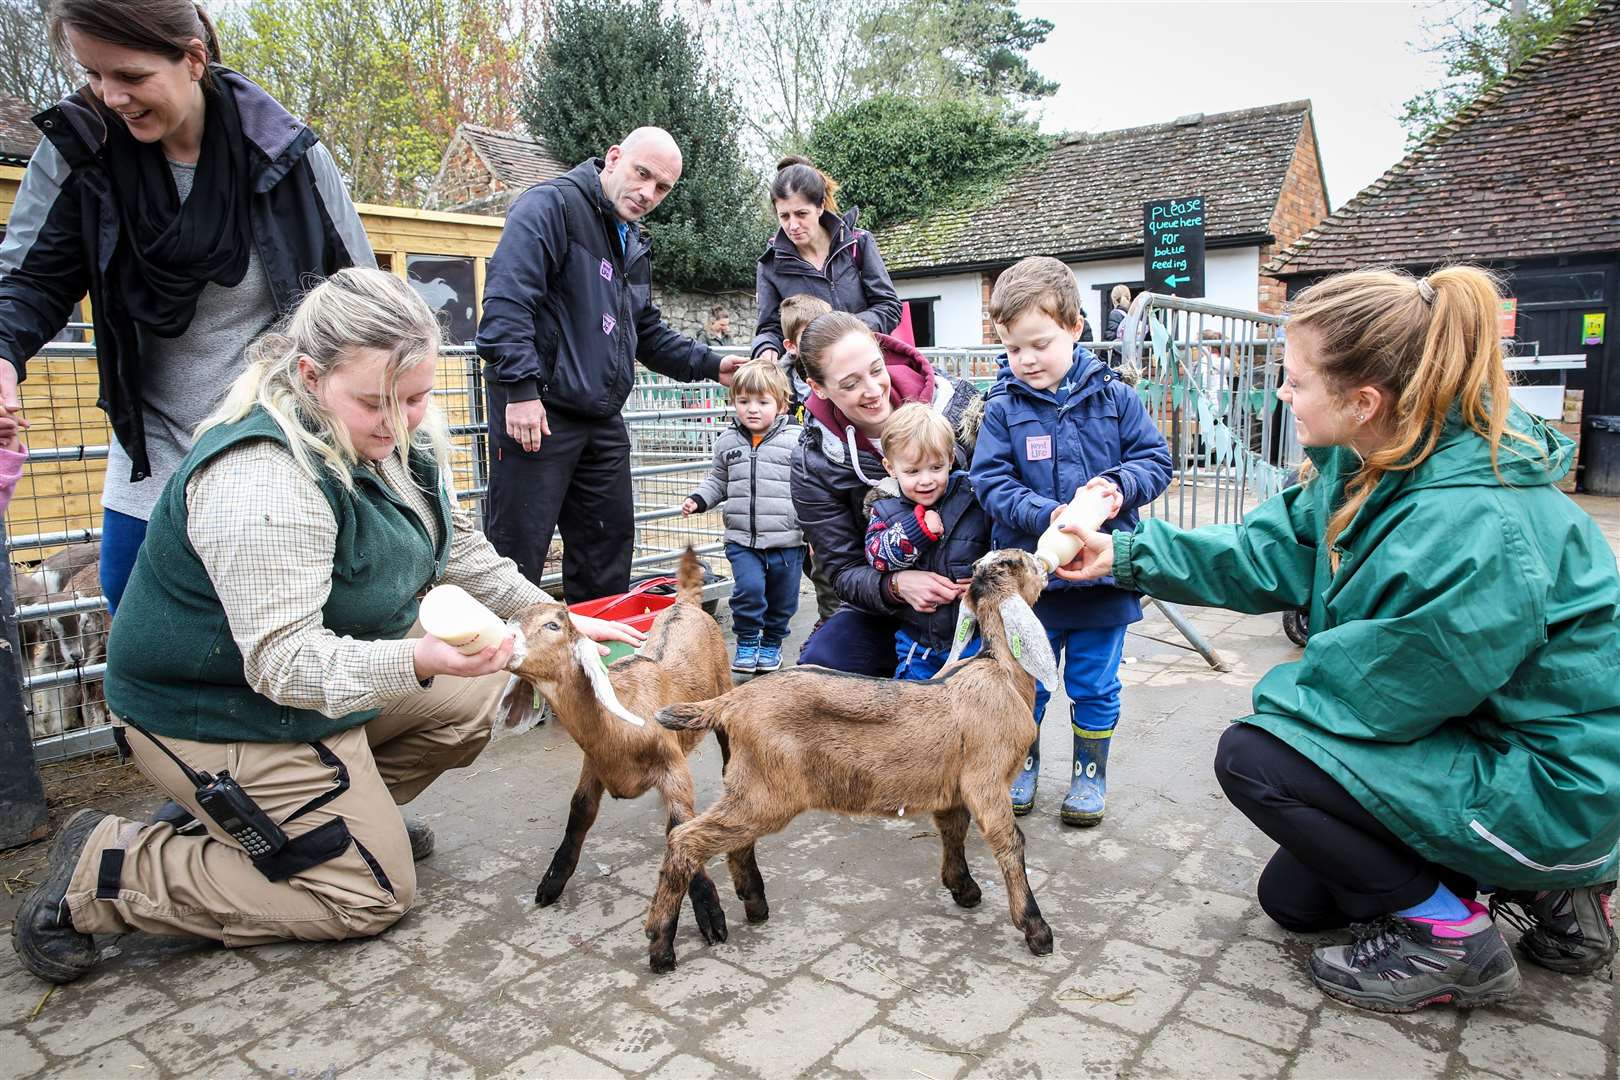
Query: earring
point(1361, 418)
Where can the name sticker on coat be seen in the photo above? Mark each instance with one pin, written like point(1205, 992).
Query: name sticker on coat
point(606, 270)
point(1038, 448)
point(608, 323)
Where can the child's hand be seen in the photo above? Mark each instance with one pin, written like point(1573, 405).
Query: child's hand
point(1116, 498)
point(1057, 512)
point(932, 522)
point(689, 507)
point(9, 429)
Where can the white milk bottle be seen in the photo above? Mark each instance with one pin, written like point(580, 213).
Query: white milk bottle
point(1088, 509)
point(455, 618)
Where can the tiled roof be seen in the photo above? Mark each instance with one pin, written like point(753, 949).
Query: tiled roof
point(1086, 194)
point(1531, 168)
point(513, 158)
point(18, 135)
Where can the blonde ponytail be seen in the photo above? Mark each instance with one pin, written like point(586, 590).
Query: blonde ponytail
point(1429, 344)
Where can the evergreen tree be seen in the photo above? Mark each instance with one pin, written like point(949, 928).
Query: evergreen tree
point(607, 68)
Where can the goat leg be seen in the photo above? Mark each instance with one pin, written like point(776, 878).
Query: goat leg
point(706, 909)
point(664, 913)
point(750, 886)
point(953, 827)
point(994, 814)
point(581, 815)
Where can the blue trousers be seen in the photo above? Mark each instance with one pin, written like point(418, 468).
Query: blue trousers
point(121, 537)
point(1090, 660)
point(919, 661)
point(855, 641)
point(764, 590)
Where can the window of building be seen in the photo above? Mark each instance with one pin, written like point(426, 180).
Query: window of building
point(922, 320)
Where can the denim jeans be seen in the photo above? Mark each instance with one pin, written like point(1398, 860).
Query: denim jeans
point(1090, 660)
point(764, 590)
point(854, 641)
point(121, 537)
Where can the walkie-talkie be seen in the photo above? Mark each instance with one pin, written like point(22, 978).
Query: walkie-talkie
point(232, 808)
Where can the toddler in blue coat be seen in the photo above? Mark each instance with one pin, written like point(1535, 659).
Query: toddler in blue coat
point(1057, 418)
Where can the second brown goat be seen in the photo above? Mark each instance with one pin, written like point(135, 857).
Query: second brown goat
point(604, 709)
point(813, 739)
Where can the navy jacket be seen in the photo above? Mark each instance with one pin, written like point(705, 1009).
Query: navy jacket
point(854, 280)
point(568, 312)
point(65, 227)
point(1031, 456)
point(964, 536)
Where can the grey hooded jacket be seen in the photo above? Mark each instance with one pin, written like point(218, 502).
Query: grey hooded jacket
point(755, 483)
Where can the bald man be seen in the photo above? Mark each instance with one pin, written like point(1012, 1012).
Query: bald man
point(567, 312)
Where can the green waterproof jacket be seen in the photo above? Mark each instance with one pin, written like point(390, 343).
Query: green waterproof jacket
point(1462, 679)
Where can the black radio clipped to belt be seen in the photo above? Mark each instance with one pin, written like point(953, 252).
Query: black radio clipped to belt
point(274, 854)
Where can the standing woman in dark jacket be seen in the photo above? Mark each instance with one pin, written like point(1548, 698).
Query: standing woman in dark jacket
point(820, 253)
point(191, 207)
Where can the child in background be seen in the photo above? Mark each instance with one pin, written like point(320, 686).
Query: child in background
point(753, 463)
point(1056, 419)
point(798, 312)
point(12, 455)
point(935, 524)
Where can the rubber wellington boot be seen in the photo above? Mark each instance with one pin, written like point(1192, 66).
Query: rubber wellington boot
point(1089, 788)
point(1023, 785)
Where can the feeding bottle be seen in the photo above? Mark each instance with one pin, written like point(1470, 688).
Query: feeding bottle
point(455, 618)
point(1088, 509)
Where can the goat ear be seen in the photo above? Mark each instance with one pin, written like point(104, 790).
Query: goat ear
point(590, 661)
point(966, 623)
point(1026, 637)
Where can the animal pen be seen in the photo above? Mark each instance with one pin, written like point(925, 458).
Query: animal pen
point(1207, 374)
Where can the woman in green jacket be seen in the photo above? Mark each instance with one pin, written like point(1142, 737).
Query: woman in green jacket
point(1454, 723)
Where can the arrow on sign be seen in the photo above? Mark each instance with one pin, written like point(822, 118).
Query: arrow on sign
point(1173, 281)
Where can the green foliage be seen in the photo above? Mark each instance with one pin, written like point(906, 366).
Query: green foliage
point(609, 67)
point(900, 157)
point(975, 50)
point(1480, 43)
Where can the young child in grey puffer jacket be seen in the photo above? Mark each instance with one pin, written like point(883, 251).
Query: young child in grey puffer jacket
point(753, 464)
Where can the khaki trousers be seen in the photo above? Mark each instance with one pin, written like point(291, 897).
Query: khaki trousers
point(206, 885)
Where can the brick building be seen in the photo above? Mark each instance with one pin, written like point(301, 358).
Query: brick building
point(1258, 170)
point(1525, 180)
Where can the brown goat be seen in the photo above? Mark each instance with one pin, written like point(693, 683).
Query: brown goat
point(600, 707)
point(813, 739)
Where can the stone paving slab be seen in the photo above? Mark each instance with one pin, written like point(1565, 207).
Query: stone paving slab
point(1163, 966)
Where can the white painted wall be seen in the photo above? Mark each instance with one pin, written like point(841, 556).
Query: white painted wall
point(958, 313)
point(1231, 277)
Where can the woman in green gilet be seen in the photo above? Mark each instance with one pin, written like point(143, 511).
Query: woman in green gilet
point(267, 632)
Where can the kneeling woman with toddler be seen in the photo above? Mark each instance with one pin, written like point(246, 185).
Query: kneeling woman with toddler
point(267, 632)
point(1454, 725)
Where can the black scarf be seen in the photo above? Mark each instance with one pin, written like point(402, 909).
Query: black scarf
point(168, 250)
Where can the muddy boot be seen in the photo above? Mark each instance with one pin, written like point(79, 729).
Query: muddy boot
point(1565, 930)
point(1023, 785)
point(1089, 788)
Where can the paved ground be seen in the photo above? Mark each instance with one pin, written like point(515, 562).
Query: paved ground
point(1163, 966)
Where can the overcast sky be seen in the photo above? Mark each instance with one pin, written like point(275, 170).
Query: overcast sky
point(1144, 62)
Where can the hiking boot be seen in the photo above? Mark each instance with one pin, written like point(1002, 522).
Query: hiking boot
point(43, 933)
point(769, 658)
point(1567, 930)
point(1088, 790)
point(421, 837)
point(746, 661)
point(1023, 785)
point(1400, 965)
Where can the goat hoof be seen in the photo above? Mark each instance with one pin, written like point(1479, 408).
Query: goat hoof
point(757, 912)
point(548, 892)
point(1039, 939)
point(662, 963)
point(711, 920)
point(967, 896)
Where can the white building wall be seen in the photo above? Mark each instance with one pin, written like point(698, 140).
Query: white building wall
point(1231, 277)
point(958, 310)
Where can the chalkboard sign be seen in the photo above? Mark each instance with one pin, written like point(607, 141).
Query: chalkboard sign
point(1173, 246)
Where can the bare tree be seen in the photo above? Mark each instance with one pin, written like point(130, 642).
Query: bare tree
point(28, 69)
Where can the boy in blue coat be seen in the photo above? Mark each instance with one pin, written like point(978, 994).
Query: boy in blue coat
point(1057, 418)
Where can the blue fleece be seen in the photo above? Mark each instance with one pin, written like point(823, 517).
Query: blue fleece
point(1035, 449)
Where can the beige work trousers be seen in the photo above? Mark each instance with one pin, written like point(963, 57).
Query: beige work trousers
point(206, 885)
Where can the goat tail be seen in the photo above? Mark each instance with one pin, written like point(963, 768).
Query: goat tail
point(689, 716)
point(689, 579)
